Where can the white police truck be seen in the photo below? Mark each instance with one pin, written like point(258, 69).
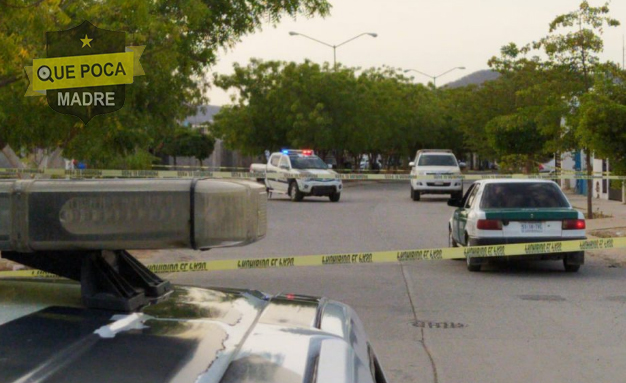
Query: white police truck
point(299, 174)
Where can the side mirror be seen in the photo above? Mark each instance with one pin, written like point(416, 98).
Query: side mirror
point(330, 166)
point(454, 202)
point(411, 164)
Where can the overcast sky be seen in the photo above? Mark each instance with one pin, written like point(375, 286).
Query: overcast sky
point(431, 36)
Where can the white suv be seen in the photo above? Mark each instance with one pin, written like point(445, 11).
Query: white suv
point(435, 162)
point(305, 163)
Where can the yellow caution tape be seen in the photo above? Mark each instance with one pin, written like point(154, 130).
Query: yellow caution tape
point(109, 173)
point(441, 253)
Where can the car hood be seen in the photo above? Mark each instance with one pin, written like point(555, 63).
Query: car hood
point(317, 173)
point(196, 335)
point(437, 169)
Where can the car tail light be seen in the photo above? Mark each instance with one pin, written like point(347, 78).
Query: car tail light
point(574, 224)
point(489, 224)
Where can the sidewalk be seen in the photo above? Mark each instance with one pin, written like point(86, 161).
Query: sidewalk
point(615, 209)
point(612, 226)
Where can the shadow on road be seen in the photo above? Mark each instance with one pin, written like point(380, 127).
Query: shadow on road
point(433, 200)
point(307, 200)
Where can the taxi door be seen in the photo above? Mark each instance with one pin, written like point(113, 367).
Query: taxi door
point(459, 220)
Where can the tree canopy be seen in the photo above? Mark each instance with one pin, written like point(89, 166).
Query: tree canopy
point(374, 112)
point(182, 39)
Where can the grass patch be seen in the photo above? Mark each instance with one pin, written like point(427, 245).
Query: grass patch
point(596, 214)
point(609, 233)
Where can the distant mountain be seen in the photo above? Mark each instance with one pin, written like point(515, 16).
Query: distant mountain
point(476, 78)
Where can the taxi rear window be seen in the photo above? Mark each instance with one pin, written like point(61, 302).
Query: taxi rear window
point(522, 195)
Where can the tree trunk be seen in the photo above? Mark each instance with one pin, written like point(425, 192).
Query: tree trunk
point(13, 159)
point(589, 183)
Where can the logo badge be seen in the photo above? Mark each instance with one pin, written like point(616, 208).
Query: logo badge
point(86, 71)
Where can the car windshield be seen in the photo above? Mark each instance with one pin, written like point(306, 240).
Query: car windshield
point(437, 160)
point(522, 195)
point(307, 162)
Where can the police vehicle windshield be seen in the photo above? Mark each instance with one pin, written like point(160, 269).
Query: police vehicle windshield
point(307, 162)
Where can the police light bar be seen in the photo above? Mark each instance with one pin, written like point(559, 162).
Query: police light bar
point(304, 152)
point(59, 215)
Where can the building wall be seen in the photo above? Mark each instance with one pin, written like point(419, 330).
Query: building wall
point(220, 158)
point(568, 164)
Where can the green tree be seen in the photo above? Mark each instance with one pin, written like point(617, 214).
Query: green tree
point(188, 142)
point(572, 48)
point(182, 40)
point(377, 112)
point(514, 138)
point(602, 117)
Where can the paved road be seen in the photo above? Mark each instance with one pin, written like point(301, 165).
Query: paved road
point(433, 321)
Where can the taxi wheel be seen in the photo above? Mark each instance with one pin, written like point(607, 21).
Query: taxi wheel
point(569, 267)
point(472, 264)
point(415, 195)
point(334, 197)
point(295, 194)
point(451, 241)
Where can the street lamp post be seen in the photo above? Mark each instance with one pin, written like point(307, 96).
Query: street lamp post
point(435, 77)
point(333, 46)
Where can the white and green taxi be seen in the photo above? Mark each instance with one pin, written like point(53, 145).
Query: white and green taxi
point(504, 211)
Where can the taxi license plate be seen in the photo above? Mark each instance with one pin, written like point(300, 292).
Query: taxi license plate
point(438, 183)
point(532, 227)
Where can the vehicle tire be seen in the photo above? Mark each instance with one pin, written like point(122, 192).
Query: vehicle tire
point(451, 241)
point(415, 195)
point(472, 263)
point(334, 197)
point(294, 193)
point(570, 268)
point(574, 267)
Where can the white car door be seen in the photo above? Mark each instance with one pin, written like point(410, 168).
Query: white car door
point(284, 166)
point(272, 170)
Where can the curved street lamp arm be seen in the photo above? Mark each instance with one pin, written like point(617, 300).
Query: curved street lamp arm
point(354, 38)
point(448, 71)
point(316, 40)
point(422, 73)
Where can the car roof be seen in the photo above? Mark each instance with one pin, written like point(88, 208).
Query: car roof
point(209, 335)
